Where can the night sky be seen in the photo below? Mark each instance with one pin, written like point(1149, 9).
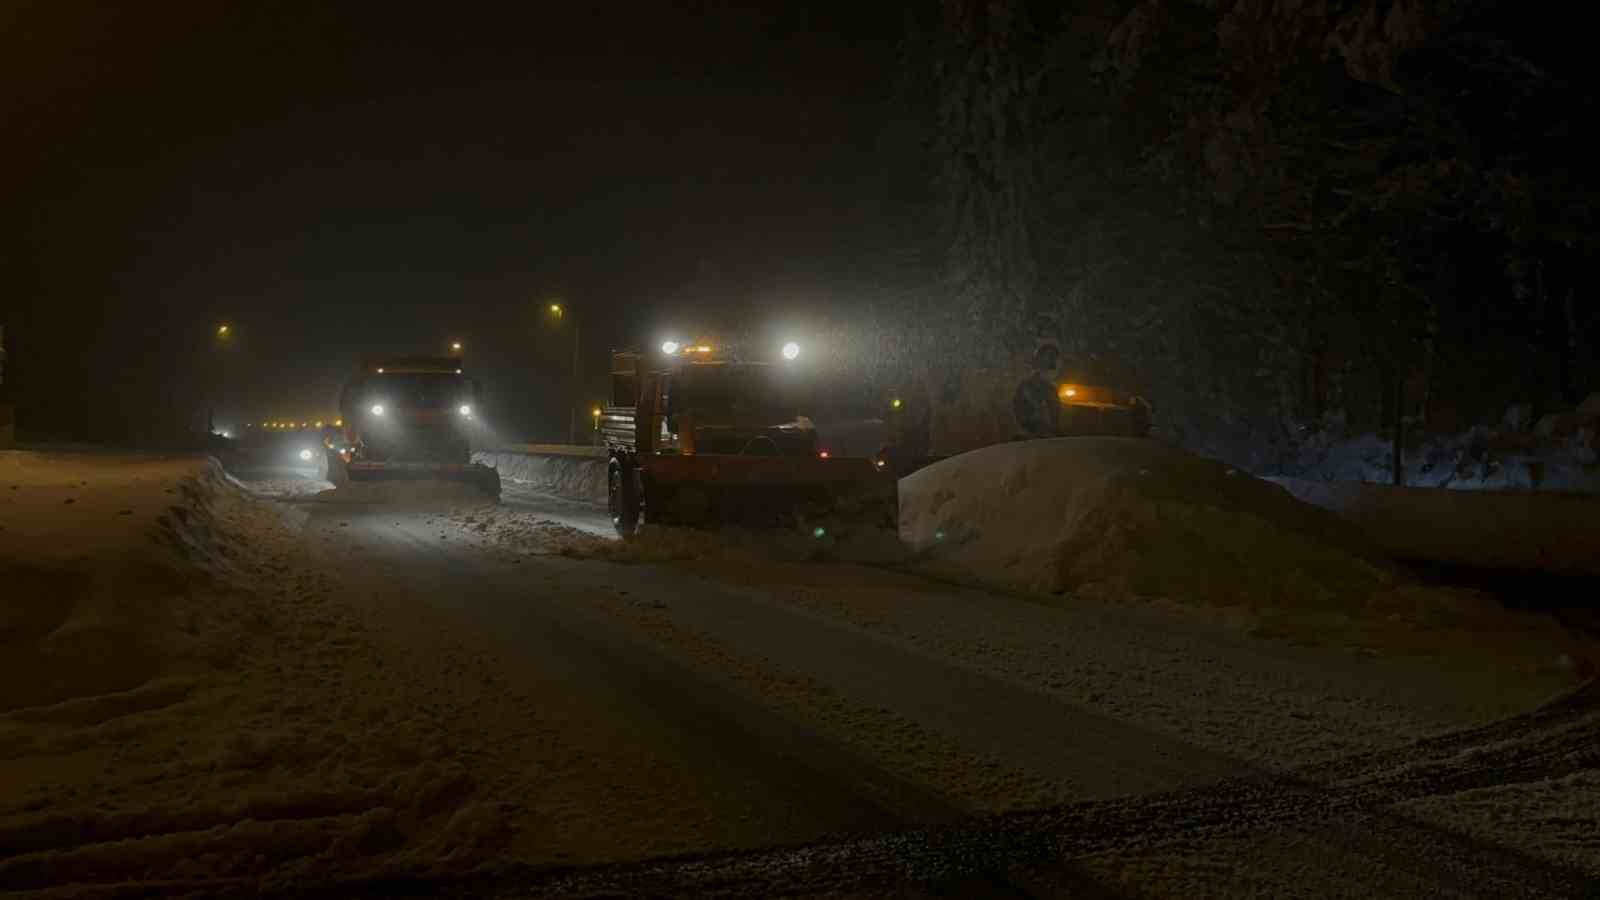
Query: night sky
point(388, 177)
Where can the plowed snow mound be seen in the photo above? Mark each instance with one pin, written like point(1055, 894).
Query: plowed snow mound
point(185, 708)
point(1132, 516)
point(108, 566)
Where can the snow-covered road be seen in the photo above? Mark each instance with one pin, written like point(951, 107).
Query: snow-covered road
point(505, 691)
point(704, 701)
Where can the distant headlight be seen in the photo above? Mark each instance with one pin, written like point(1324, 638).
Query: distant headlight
point(791, 350)
point(305, 455)
point(377, 409)
point(465, 409)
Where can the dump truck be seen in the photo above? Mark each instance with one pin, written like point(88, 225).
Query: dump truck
point(701, 434)
point(408, 417)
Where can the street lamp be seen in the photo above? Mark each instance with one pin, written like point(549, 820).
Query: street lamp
point(455, 346)
point(224, 334)
point(560, 312)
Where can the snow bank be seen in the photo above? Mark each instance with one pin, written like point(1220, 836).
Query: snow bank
point(228, 724)
point(103, 592)
point(1558, 533)
point(1139, 517)
point(579, 476)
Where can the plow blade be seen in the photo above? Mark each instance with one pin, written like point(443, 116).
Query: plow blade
point(835, 495)
point(484, 478)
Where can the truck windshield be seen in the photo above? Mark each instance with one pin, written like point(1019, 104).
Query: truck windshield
point(419, 390)
point(739, 390)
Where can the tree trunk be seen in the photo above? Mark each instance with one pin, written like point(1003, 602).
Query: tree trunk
point(1397, 456)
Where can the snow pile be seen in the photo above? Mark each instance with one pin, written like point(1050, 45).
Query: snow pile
point(1133, 517)
point(227, 723)
point(100, 596)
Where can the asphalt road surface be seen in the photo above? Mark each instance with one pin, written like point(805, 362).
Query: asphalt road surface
point(717, 729)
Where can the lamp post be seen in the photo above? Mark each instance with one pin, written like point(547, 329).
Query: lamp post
point(559, 312)
point(224, 336)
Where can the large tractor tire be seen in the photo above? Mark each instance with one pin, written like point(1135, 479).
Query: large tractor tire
point(335, 470)
point(622, 497)
point(488, 481)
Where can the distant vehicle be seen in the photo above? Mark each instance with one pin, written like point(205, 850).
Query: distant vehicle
point(408, 417)
point(700, 434)
point(1087, 409)
point(1058, 409)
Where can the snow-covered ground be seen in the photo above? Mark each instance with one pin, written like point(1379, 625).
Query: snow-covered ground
point(275, 684)
point(182, 700)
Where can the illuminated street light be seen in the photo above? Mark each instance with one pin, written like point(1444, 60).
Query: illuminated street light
point(895, 403)
point(377, 409)
point(224, 331)
point(560, 312)
point(791, 350)
point(595, 412)
point(455, 346)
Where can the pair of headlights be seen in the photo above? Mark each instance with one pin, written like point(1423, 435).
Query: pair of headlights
point(464, 409)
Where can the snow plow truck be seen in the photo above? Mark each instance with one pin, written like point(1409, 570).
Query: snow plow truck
point(706, 435)
point(409, 418)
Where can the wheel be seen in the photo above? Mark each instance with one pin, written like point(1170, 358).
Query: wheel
point(622, 498)
point(335, 470)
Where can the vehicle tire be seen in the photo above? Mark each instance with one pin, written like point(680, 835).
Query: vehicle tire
point(489, 482)
point(336, 471)
point(622, 498)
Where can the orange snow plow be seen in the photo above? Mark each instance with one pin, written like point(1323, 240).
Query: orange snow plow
point(698, 435)
point(408, 418)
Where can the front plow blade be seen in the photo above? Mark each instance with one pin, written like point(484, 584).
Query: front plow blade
point(825, 497)
point(483, 478)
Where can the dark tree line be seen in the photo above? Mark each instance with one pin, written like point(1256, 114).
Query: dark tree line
point(1269, 221)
